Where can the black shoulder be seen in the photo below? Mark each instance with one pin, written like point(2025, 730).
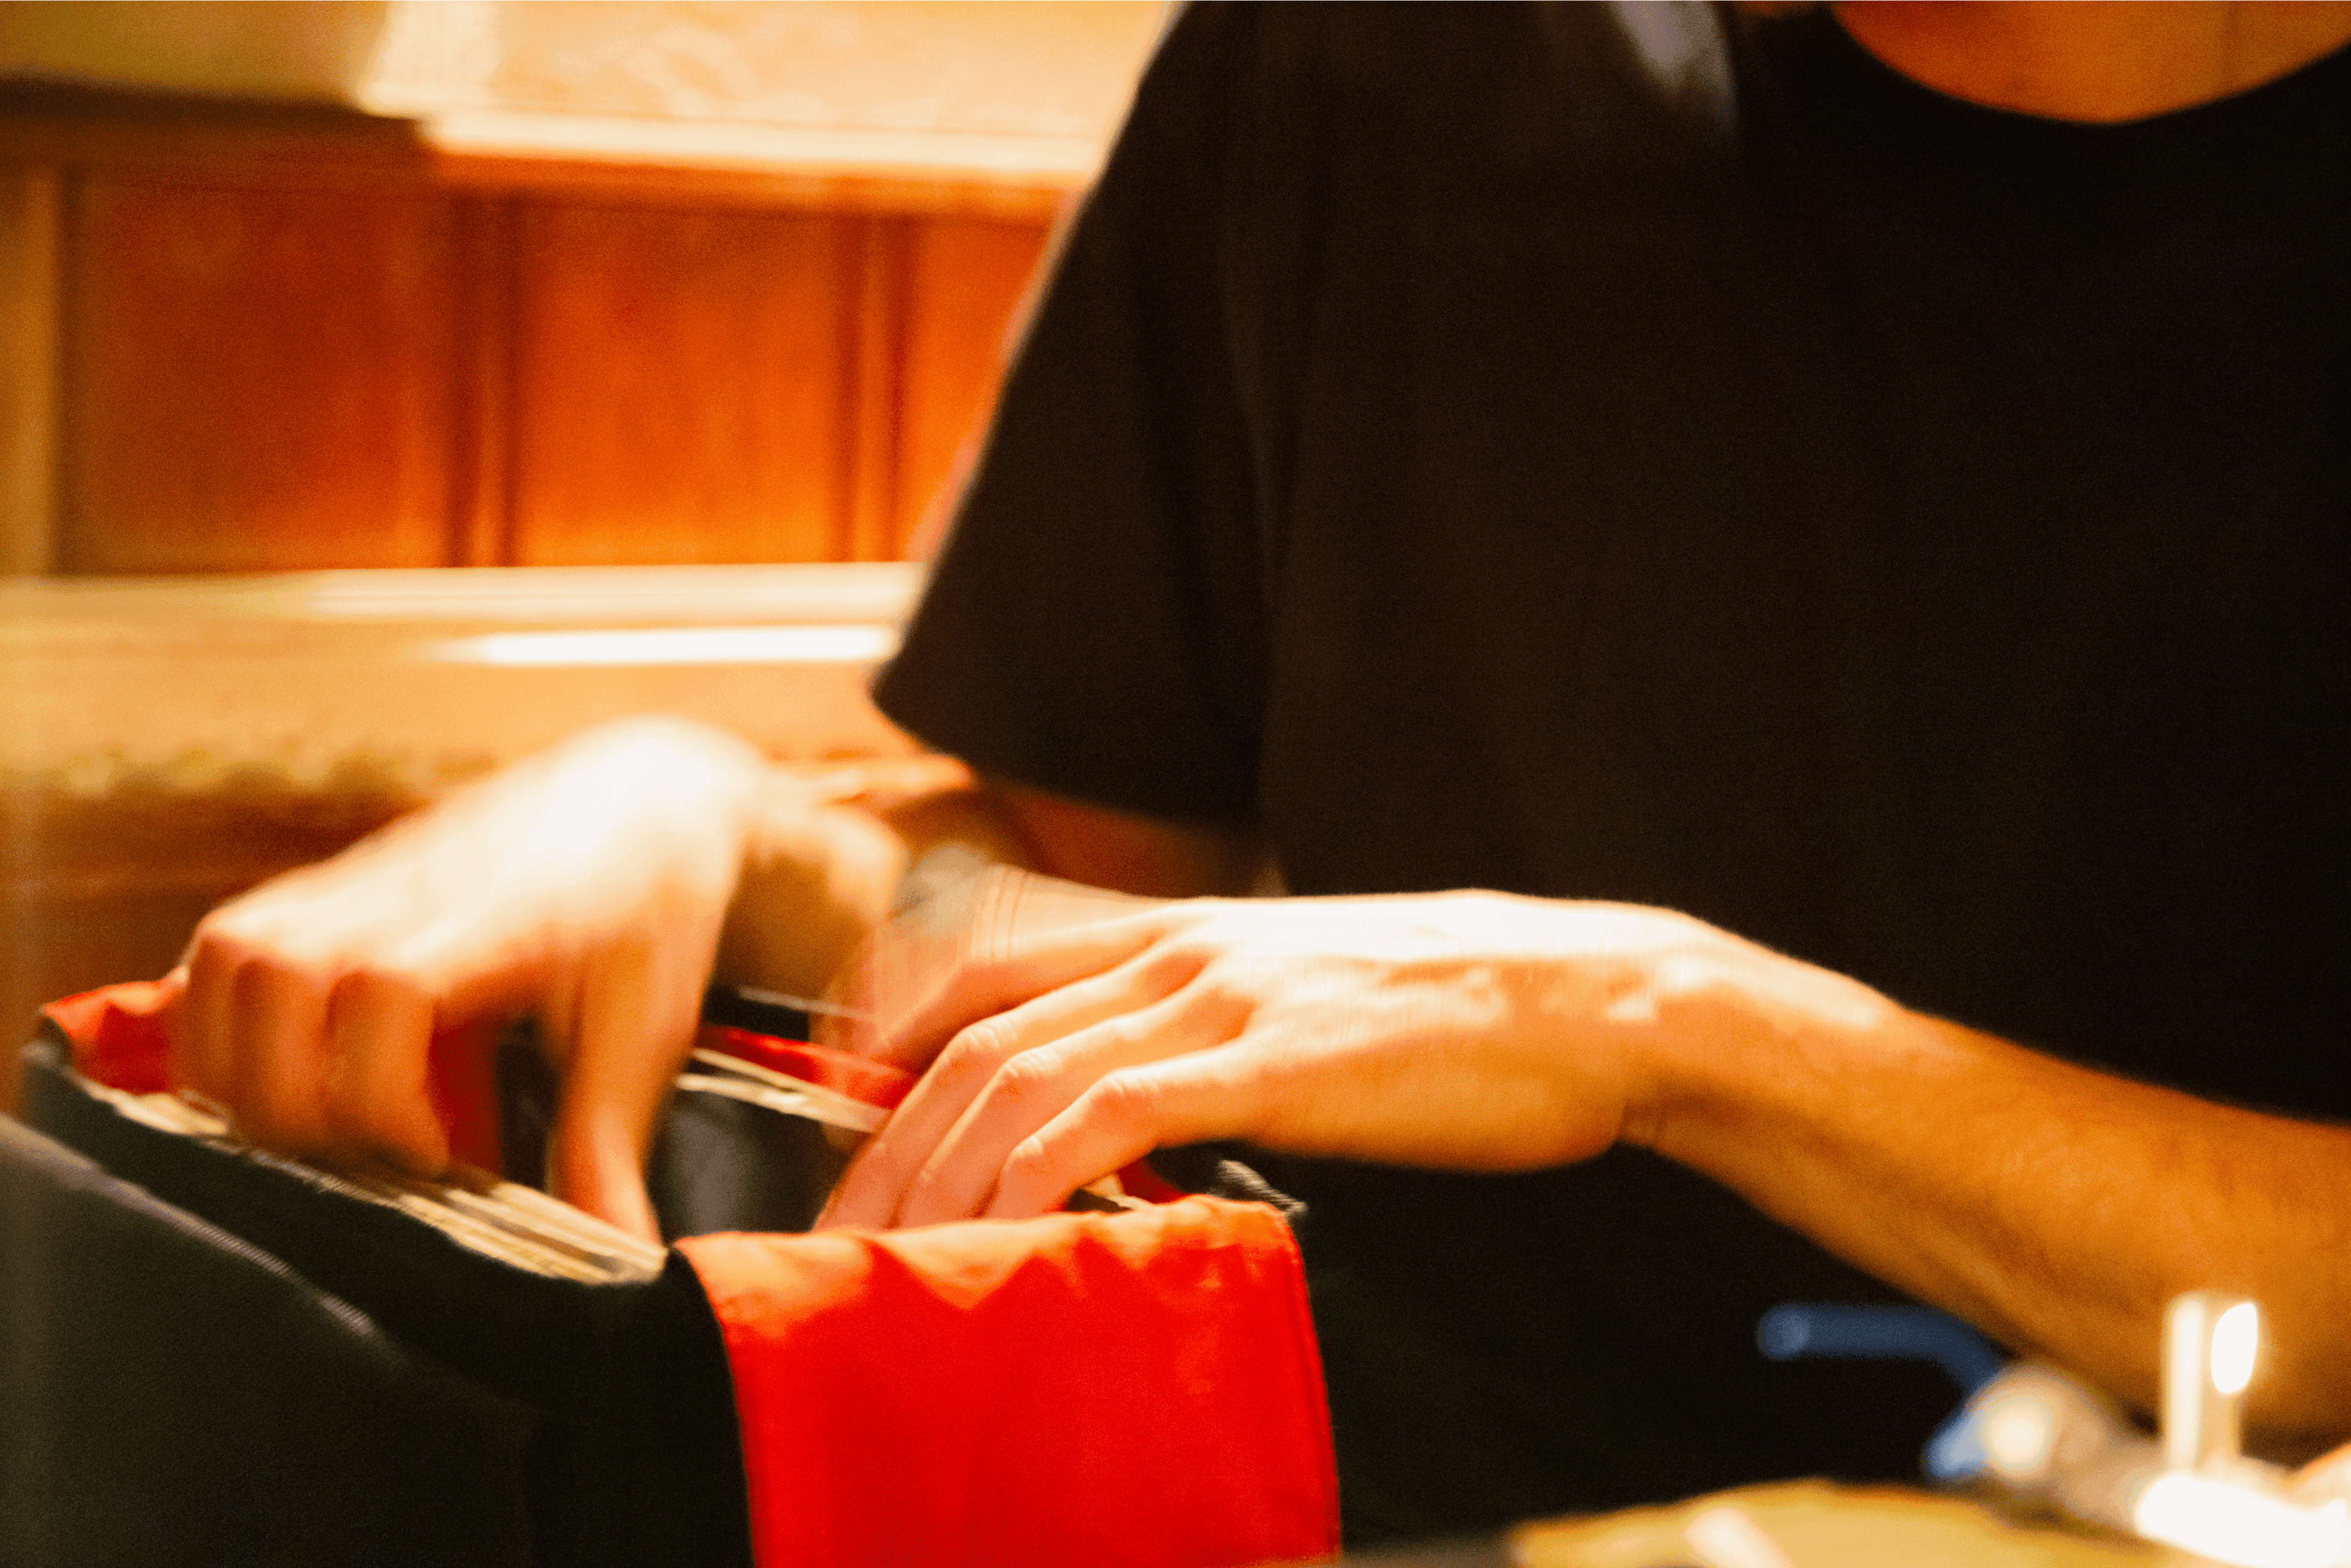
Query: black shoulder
point(1632, 79)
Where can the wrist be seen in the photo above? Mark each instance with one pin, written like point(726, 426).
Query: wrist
point(1744, 1048)
point(815, 878)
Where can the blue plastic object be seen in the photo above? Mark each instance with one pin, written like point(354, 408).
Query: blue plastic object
point(1841, 1329)
point(1956, 1451)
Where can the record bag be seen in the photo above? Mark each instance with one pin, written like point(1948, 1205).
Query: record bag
point(213, 1353)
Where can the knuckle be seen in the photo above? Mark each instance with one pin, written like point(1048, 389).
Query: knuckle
point(367, 987)
point(352, 989)
point(220, 947)
point(1028, 1163)
point(924, 1192)
point(979, 1047)
point(1028, 1074)
point(1126, 1099)
point(882, 1166)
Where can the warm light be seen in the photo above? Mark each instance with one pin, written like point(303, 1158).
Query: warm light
point(1726, 1537)
point(2209, 1340)
point(2018, 1434)
point(837, 645)
point(2235, 1338)
point(2232, 1523)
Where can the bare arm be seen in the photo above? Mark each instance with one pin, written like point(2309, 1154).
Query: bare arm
point(2056, 1207)
point(817, 878)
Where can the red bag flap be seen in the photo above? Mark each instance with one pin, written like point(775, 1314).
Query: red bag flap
point(118, 1035)
point(875, 1083)
point(1137, 1389)
point(119, 1040)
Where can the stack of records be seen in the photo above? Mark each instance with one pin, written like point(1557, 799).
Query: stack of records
point(217, 1353)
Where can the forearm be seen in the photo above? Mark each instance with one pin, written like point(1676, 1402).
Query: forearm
point(825, 858)
point(2057, 1208)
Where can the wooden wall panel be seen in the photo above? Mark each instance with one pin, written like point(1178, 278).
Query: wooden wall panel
point(31, 218)
point(481, 436)
point(257, 378)
point(968, 280)
point(340, 357)
point(678, 384)
point(875, 298)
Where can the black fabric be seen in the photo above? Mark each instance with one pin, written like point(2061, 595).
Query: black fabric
point(1904, 533)
point(169, 1394)
point(724, 1165)
point(633, 1454)
point(716, 1163)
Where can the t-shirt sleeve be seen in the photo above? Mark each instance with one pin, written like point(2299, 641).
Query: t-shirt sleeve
point(1091, 624)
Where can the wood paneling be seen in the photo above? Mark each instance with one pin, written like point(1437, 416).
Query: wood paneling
point(677, 385)
point(872, 387)
point(481, 433)
point(252, 338)
point(257, 378)
point(282, 340)
point(969, 279)
point(30, 220)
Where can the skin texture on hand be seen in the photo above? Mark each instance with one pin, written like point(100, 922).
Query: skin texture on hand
point(2057, 1208)
point(587, 887)
point(1470, 1030)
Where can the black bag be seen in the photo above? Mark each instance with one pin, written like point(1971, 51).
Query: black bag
point(208, 1354)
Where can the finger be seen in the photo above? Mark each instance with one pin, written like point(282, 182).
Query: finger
point(196, 1024)
point(872, 1191)
point(978, 989)
point(177, 1014)
point(379, 1028)
point(273, 1038)
point(630, 1027)
point(597, 1163)
point(1030, 1089)
point(1123, 1117)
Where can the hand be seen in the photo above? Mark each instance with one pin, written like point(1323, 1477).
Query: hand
point(1472, 1031)
point(587, 886)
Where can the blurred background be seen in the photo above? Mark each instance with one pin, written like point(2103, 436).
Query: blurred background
point(385, 388)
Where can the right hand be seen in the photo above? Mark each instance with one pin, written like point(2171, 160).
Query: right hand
point(587, 886)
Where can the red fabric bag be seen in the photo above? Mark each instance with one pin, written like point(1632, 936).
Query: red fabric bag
point(1137, 1388)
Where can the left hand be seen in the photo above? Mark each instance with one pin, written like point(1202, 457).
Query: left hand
point(1468, 1030)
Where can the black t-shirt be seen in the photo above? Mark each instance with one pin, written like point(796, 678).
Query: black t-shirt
point(1484, 447)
